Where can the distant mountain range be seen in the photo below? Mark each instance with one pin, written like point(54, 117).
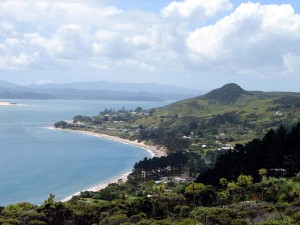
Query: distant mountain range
point(101, 90)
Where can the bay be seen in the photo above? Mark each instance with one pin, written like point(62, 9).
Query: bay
point(36, 160)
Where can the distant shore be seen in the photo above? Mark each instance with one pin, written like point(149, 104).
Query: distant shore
point(153, 150)
point(7, 103)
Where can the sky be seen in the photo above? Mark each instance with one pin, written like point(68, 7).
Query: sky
point(199, 44)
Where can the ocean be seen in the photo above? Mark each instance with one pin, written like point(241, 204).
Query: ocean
point(36, 160)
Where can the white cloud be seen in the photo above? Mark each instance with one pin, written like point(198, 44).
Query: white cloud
point(196, 9)
point(56, 12)
point(7, 29)
point(252, 39)
point(20, 61)
point(292, 63)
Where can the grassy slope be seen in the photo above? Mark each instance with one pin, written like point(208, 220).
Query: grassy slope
point(258, 108)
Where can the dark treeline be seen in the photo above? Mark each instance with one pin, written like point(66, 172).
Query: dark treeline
point(154, 168)
point(278, 151)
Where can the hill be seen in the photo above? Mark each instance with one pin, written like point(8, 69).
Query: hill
point(120, 91)
point(227, 94)
point(230, 97)
point(123, 87)
point(101, 90)
point(238, 115)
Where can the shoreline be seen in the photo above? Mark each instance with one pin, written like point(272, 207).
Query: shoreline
point(98, 187)
point(153, 150)
point(7, 103)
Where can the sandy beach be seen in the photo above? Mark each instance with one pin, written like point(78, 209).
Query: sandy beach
point(99, 186)
point(154, 150)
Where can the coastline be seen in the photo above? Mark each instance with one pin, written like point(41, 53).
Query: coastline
point(6, 103)
point(153, 150)
point(99, 186)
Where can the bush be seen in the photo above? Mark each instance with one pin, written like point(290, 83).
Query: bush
point(9, 221)
point(137, 218)
point(103, 215)
point(117, 219)
point(37, 222)
point(189, 222)
point(97, 196)
point(182, 211)
point(275, 222)
point(239, 222)
point(218, 216)
point(145, 222)
point(296, 217)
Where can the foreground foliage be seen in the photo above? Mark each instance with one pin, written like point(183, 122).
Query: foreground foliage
point(268, 202)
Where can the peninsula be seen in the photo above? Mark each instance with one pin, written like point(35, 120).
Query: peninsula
point(6, 103)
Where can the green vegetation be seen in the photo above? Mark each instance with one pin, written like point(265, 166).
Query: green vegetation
point(203, 179)
point(269, 201)
point(277, 152)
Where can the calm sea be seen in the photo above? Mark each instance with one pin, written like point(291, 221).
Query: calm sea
point(36, 161)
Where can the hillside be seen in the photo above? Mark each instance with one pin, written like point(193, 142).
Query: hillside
point(228, 94)
point(230, 97)
point(237, 114)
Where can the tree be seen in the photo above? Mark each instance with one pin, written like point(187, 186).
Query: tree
point(223, 182)
point(262, 172)
point(200, 194)
point(277, 152)
point(244, 183)
point(220, 216)
point(138, 109)
point(17, 208)
point(188, 222)
point(159, 189)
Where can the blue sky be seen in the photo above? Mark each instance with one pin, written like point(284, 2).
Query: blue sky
point(200, 44)
point(156, 5)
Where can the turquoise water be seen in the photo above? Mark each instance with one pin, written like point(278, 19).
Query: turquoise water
point(36, 161)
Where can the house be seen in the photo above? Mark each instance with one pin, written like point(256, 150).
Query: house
point(225, 148)
point(221, 136)
point(179, 180)
point(186, 137)
point(279, 114)
point(166, 191)
point(164, 179)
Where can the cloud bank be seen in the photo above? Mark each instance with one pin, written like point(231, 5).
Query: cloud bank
point(207, 37)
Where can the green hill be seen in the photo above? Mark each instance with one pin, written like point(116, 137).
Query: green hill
point(228, 94)
point(240, 114)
